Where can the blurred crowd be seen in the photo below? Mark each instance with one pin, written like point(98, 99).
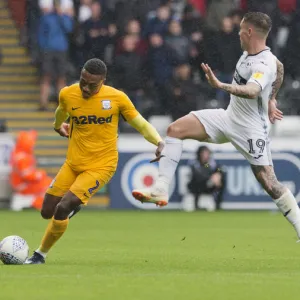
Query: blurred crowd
point(153, 49)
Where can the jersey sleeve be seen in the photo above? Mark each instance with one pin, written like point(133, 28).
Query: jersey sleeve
point(261, 74)
point(62, 99)
point(127, 109)
point(61, 113)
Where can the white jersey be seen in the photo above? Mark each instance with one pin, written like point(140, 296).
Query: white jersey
point(261, 69)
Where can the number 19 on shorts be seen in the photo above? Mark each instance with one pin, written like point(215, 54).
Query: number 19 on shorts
point(259, 144)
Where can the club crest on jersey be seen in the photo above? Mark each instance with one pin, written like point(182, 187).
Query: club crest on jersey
point(106, 104)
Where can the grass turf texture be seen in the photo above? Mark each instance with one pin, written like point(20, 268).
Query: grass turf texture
point(157, 255)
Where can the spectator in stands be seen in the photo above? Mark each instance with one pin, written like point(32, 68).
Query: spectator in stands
point(291, 55)
point(133, 29)
point(54, 29)
point(236, 17)
point(179, 43)
point(85, 10)
point(207, 177)
point(145, 9)
point(191, 21)
point(192, 26)
point(77, 49)
point(217, 11)
point(201, 21)
point(33, 13)
point(161, 61)
point(182, 92)
point(124, 11)
point(158, 24)
point(128, 70)
point(229, 51)
point(25, 178)
point(48, 6)
point(99, 33)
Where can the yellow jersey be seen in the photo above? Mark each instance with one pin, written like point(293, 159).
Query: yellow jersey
point(94, 126)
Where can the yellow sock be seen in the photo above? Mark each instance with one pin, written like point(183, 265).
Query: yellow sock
point(54, 231)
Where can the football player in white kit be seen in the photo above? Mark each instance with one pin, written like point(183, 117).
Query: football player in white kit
point(257, 79)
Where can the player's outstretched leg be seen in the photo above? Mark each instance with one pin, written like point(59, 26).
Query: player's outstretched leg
point(281, 195)
point(187, 127)
point(56, 227)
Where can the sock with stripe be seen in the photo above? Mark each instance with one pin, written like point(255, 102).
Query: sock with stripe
point(288, 205)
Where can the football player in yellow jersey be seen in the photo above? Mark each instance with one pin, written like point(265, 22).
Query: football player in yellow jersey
point(94, 110)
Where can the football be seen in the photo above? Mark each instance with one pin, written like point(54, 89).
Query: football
point(13, 250)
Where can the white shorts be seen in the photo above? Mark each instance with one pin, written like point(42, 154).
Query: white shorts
point(253, 144)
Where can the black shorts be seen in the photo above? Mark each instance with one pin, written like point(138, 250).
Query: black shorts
point(54, 63)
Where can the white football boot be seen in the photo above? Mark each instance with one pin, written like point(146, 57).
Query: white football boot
point(156, 195)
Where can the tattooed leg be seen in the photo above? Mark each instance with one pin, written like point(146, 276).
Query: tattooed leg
point(266, 177)
point(281, 195)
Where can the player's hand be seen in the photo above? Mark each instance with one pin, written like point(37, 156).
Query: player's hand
point(158, 151)
point(274, 112)
point(216, 178)
point(210, 76)
point(63, 130)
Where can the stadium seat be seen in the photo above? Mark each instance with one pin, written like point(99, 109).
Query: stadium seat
point(161, 123)
point(288, 126)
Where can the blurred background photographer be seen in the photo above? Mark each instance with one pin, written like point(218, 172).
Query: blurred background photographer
point(207, 177)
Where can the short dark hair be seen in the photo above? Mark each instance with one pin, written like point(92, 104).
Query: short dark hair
point(202, 149)
point(95, 66)
point(260, 21)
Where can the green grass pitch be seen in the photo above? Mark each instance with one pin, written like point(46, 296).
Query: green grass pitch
point(157, 255)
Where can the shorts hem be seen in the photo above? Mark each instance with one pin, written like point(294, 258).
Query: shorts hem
point(210, 138)
point(254, 163)
point(53, 193)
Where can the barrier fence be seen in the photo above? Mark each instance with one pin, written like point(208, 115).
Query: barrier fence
point(135, 171)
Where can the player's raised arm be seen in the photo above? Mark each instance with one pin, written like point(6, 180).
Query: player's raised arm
point(61, 115)
point(133, 117)
point(251, 90)
point(149, 133)
point(146, 129)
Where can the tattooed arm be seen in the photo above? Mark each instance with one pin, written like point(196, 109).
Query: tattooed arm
point(273, 111)
point(250, 90)
point(278, 81)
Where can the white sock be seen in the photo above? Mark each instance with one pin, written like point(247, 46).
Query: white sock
point(287, 204)
point(41, 253)
point(168, 163)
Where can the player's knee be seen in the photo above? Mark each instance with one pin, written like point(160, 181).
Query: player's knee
point(46, 213)
point(63, 208)
point(66, 206)
point(176, 131)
